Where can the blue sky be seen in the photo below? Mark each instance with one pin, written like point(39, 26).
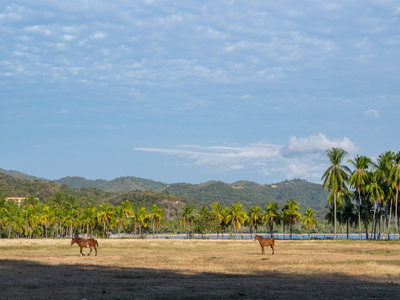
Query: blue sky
point(191, 91)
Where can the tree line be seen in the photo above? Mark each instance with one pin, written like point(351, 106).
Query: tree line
point(64, 216)
point(366, 195)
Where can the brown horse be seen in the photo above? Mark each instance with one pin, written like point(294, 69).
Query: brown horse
point(265, 243)
point(86, 243)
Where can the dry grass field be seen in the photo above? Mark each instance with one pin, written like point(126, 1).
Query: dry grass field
point(199, 269)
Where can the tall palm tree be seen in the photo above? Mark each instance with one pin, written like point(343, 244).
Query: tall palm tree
point(88, 218)
point(309, 221)
point(142, 218)
point(128, 213)
point(221, 212)
point(104, 215)
point(359, 180)
point(187, 219)
point(156, 218)
point(377, 194)
point(47, 217)
point(349, 214)
point(57, 204)
point(335, 176)
point(236, 217)
point(385, 163)
point(394, 180)
point(271, 216)
point(290, 214)
point(118, 218)
point(11, 218)
point(254, 219)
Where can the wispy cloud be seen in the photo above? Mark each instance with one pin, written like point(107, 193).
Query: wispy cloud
point(372, 113)
point(300, 157)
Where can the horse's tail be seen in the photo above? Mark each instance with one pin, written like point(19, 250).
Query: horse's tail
point(97, 243)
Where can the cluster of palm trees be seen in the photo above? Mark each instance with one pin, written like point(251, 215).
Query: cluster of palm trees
point(235, 216)
point(372, 186)
point(63, 216)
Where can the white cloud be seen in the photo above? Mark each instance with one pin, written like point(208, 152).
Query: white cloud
point(372, 113)
point(98, 35)
point(316, 143)
point(300, 157)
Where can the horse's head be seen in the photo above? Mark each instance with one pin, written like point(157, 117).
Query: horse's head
point(255, 238)
point(73, 242)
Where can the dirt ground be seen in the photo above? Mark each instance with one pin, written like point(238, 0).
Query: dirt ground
point(200, 269)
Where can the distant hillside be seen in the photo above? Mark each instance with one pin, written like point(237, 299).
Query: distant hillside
point(15, 186)
point(22, 175)
point(121, 184)
point(309, 195)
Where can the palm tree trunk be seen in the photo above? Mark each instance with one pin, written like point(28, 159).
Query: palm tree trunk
point(390, 216)
point(397, 224)
point(334, 215)
point(359, 214)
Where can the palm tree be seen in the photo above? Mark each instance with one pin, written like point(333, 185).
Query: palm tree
point(11, 217)
point(141, 219)
point(385, 163)
point(104, 216)
point(359, 180)
point(47, 217)
point(349, 214)
point(187, 219)
point(394, 180)
point(290, 214)
point(377, 194)
point(254, 219)
point(236, 217)
point(271, 216)
point(128, 213)
point(309, 221)
point(118, 218)
point(156, 218)
point(335, 176)
point(57, 204)
point(221, 213)
point(88, 218)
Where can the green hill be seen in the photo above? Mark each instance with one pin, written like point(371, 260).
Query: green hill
point(121, 184)
point(147, 192)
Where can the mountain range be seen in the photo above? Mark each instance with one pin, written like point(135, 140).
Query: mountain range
point(309, 195)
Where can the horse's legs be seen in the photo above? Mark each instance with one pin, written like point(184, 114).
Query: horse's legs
point(272, 246)
point(95, 249)
point(82, 253)
point(90, 250)
point(262, 249)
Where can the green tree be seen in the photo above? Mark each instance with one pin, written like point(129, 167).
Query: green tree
point(335, 176)
point(271, 216)
point(88, 218)
point(309, 221)
point(237, 216)
point(254, 219)
point(377, 194)
point(359, 180)
point(187, 219)
point(290, 214)
point(156, 218)
point(47, 217)
point(394, 181)
point(221, 213)
point(105, 215)
point(142, 218)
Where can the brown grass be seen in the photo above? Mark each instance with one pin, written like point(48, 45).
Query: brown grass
point(171, 269)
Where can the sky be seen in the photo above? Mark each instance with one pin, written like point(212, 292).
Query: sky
point(192, 91)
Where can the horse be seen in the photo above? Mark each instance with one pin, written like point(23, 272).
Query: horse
point(265, 242)
point(86, 243)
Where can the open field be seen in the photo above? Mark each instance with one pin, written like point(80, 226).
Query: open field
point(199, 269)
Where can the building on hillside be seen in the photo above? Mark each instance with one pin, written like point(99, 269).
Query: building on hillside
point(17, 200)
